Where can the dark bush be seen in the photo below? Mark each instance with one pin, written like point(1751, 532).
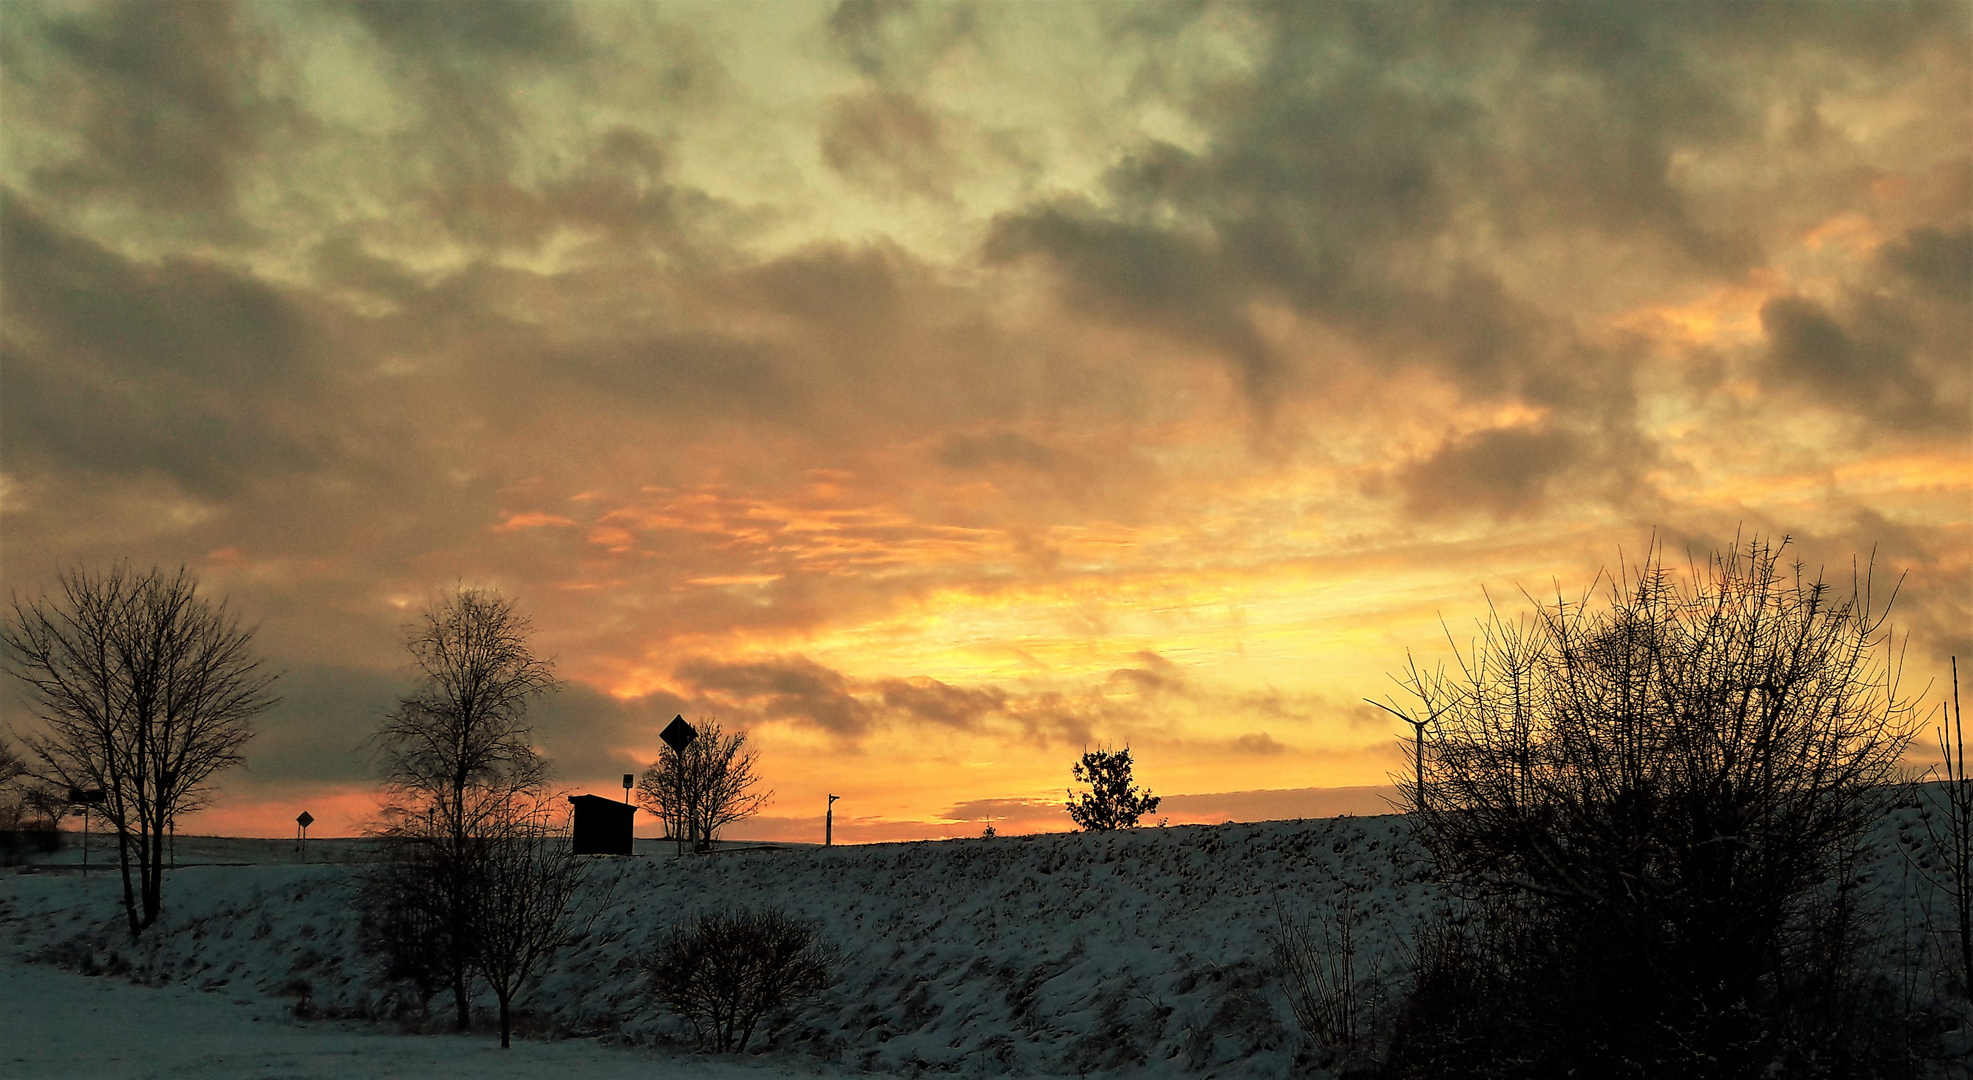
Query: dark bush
point(19, 845)
point(726, 971)
point(402, 903)
point(1658, 804)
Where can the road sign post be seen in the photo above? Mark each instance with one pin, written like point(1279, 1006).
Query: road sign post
point(304, 820)
point(678, 735)
point(829, 822)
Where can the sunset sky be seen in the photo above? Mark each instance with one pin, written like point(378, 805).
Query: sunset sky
point(935, 390)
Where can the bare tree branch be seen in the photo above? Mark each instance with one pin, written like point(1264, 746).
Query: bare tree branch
point(457, 757)
point(144, 690)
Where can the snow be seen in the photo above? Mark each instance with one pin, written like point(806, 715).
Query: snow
point(63, 1026)
point(1145, 952)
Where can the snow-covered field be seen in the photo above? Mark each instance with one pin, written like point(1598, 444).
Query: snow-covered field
point(64, 1026)
point(1145, 952)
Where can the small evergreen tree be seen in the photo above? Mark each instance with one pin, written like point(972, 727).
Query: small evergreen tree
point(1113, 801)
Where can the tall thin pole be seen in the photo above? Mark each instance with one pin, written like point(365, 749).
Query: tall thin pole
point(829, 822)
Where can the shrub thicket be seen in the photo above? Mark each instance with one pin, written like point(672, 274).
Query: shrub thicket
point(1658, 802)
point(725, 972)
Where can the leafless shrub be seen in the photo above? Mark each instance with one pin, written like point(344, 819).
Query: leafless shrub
point(726, 971)
point(405, 908)
point(1317, 955)
point(1678, 781)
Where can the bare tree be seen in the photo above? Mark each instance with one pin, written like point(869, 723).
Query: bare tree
point(29, 810)
point(1674, 777)
point(1113, 800)
point(528, 877)
point(706, 788)
point(457, 756)
point(144, 690)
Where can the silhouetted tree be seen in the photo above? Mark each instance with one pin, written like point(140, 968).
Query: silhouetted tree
point(1677, 783)
point(144, 690)
point(457, 758)
point(1113, 801)
point(706, 788)
point(725, 971)
point(29, 810)
point(527, 880)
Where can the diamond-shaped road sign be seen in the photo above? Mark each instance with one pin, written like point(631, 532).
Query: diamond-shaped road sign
point(305, 820)
point(678, 734)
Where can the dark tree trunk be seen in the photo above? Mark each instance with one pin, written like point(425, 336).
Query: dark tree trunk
point(129, 891)
point(151, 869)
point(505, 1024)
point(463, 1003)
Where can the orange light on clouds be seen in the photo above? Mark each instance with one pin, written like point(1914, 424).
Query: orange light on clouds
point(932, 396)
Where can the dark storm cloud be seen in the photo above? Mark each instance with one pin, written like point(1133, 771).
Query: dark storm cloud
point(584, 732)
point(928, 700)
point(798, 689)
point(484, 82)
point(1369, 133)
point(1143, 275)
point(1504, 472)
point(184, 367)
point(1259, 743)
point(164, 105)
point(1938, 261)
point(318, 731)
point(537, 31)
point(621, 190)
point(1892, 350)
point(897, 41)
point(793, 689)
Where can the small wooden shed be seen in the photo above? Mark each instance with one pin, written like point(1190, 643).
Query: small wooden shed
point(602, 826)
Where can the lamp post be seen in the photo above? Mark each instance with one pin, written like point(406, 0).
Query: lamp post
point(829, 822)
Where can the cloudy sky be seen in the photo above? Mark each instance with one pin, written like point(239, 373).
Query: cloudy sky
point(934, 390)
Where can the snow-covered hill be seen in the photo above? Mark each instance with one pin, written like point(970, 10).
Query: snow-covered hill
point(1068, 953)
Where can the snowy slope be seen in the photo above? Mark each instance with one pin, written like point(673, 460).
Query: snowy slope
point(1057, 954)
point(1060, 953)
